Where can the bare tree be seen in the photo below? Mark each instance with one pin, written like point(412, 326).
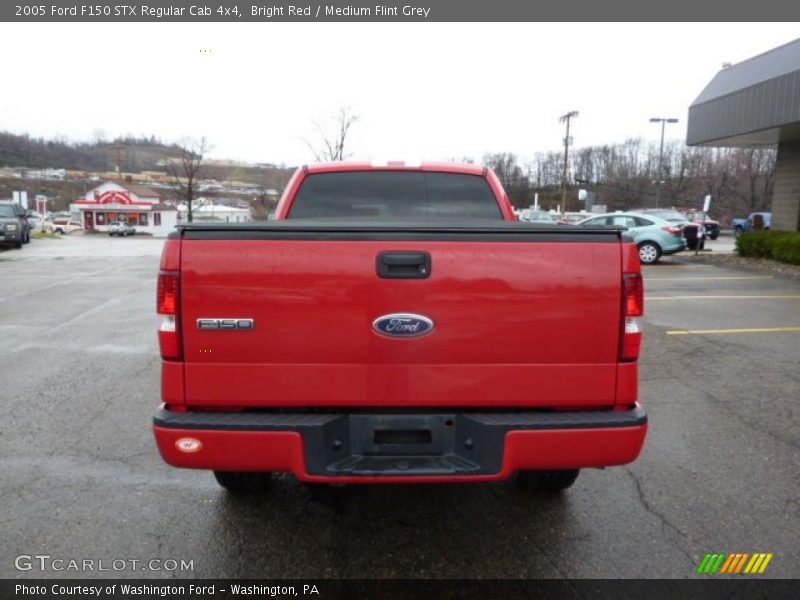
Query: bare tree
point(755, 168)
point(331, 145)
point(188, 169)
point(506, 166)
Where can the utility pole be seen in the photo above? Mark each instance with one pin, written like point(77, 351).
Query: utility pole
point(565, 119)
point(663, 122)
point(118, 150)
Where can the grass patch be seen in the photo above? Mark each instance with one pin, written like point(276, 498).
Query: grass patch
point(783, 246)
point(43, 235)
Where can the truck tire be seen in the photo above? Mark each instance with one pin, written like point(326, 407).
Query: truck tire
point(715, 235)
point(649, 253)
point(243, 482)
point(546, 481)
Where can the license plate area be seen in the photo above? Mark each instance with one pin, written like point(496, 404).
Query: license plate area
point(400, 435)
point(418, 444)
point(383, 437)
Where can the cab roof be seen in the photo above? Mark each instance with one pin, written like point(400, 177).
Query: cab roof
point(395, 165)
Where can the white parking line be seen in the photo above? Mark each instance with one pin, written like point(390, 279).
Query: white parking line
point(762, 297)
point(716, 331)
point(741, 277)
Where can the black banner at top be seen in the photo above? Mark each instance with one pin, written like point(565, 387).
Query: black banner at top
point(241, 11)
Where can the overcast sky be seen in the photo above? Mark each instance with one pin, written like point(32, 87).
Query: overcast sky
point(423, 91)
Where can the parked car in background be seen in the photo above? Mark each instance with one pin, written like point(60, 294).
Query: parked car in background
point(572, 218)
point(693, 232)
point(63, 225)
point(536, 216)
point(745, 225)
point(14, 227)
point(710, 226)
point(34, 220)
point(654, 237)
point(120, 228)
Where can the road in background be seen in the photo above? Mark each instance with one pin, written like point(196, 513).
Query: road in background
point(80, 476)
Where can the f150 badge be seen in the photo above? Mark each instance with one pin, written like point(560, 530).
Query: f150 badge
point(226, 324)
point(402, 325)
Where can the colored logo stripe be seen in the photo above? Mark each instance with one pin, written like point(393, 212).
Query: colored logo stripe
point(758, 563)
point(727, 564)
point(734, 563)
point(711, 563)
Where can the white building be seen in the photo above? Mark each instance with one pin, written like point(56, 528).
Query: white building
point(48, 174)
point(138, 205)
point(207, 212)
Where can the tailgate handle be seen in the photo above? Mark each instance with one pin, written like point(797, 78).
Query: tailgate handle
point(403, 265)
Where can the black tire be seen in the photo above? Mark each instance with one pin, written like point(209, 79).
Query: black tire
point(17, 245)
point(243, 482)
point(649, 253)
point(546, 481)
point(27, 238)
point(715, 235)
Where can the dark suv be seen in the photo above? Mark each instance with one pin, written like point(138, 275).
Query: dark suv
point(14, 227)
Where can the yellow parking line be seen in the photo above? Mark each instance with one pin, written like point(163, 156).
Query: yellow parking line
point(708, 278)
point(713, 331)
point(774, 297)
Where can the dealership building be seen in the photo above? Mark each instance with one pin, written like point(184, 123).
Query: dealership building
point(140, 206)
point(757, 103)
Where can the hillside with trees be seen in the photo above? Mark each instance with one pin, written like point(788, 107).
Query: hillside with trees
point(135, 153)
point(624, 176)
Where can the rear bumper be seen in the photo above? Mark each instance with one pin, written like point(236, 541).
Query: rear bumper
point(675, 247)
point(399, 447)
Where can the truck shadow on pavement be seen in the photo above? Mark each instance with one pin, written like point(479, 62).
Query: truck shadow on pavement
point(391, 531)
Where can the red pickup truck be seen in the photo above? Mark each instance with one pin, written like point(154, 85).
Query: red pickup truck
point(397, 324)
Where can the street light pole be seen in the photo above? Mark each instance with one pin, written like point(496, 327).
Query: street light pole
point(565, 118)
point(663, 122)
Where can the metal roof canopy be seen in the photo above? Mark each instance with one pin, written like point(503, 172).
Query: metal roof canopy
point(753, 103)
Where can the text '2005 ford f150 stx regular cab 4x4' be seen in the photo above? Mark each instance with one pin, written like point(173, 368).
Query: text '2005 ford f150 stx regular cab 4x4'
point(396, 324)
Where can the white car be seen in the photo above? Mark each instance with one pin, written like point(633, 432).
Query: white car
point(62, 225)
point(120, 228)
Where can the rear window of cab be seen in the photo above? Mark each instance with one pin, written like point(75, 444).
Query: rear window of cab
point(395, 195)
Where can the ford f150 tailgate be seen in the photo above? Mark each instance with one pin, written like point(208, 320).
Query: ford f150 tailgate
point(308, 314)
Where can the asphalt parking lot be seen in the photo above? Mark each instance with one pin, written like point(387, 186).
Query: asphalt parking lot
point(80, 477)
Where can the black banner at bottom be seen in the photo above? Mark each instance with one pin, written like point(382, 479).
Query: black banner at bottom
point(325, 589)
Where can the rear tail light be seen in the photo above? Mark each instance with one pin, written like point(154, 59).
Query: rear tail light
point(632, 310)
point(672, 230)
point(168, 305)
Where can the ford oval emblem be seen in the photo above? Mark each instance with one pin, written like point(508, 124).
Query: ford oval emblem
point(402, 325)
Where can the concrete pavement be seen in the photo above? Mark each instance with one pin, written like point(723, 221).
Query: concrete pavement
point(80, 476)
